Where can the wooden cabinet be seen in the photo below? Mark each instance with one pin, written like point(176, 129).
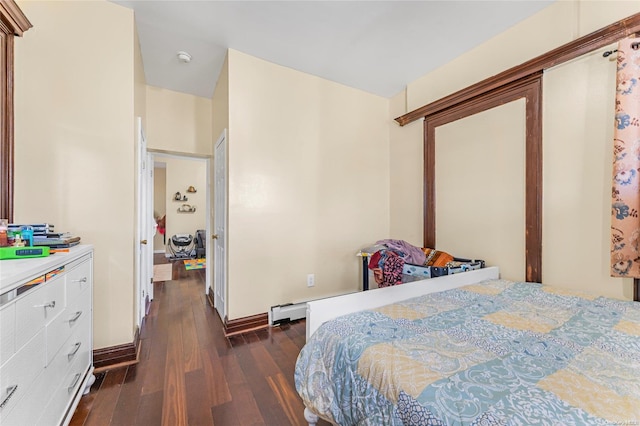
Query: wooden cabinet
point(46, 336)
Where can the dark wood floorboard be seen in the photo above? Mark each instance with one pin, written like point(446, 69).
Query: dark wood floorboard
point(189, 373)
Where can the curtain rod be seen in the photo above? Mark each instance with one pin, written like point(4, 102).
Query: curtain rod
point(634, 46)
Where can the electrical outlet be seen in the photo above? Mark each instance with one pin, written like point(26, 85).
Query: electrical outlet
point(311, 280)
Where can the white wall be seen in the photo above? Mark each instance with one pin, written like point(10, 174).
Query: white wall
point(308, 184)
point(570, 240)
point(74, 142)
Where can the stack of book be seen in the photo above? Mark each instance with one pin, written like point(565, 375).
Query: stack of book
point(44, 234)
point(38, 228)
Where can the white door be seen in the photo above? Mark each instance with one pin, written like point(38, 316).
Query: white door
point(220, 226)
point(150, 227)
point(145, 226)
point(208, 277)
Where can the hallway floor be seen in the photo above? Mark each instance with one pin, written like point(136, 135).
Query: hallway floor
point(189, 373)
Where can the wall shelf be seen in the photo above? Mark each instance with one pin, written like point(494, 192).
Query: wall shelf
point(179, 197)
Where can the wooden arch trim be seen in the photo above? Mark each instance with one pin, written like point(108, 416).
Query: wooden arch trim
point(13, 23)
point(461, 103)
point(13, 18)
point(566, 52)
point(529, 88)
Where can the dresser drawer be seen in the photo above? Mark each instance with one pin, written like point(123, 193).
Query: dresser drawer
point(72, 349)
point(65, 324)
point(78, 278)
point(30, 407)
point(69, 385)
point(18, 374)
point(38, 308)
point(7, 332)
point(45, 387)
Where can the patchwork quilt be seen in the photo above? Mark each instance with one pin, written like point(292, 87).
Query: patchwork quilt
point(494, 353)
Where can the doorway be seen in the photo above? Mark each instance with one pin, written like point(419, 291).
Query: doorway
point(181, 197)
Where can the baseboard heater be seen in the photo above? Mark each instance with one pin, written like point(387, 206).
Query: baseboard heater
point(282, 314)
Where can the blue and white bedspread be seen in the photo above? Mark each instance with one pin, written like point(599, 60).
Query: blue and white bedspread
point(494, 353)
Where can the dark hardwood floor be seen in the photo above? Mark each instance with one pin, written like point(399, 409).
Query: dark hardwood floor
point(189, 373)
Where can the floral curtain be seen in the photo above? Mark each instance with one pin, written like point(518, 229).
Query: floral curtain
point(625, 208)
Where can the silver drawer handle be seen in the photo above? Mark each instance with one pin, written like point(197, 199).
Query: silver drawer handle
point(81, 280)
point(46, 305)
point(76, 316)
point(75, 382)
point(76, 348)
point(10, 391)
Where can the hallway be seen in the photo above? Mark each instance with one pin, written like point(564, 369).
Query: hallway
point(190, 374)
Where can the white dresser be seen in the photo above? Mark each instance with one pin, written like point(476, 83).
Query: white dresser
point(46, 336)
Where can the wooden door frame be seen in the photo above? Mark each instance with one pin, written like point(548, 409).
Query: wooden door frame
point(529, 88)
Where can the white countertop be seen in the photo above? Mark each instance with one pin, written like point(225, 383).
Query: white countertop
point(14, 272)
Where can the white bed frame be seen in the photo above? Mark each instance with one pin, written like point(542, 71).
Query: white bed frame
point(323, 310)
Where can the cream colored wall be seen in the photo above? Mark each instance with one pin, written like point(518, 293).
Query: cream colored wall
point(182, 124)
point(180, 175)
point(549, 28)
point(178, 122)
point(220, 102)
point(577, 176)
point(139, 110)
point(74, 155)
point(140, 84)
point(159, 203)
point(311, 173)
point(554, 26)
point(405, 162)
point(308, 184)
point(480, 204)
point(562, 22)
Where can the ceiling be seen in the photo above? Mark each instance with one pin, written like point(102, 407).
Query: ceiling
point(375, 46)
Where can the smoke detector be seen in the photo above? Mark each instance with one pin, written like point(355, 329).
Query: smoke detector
point(184, 57)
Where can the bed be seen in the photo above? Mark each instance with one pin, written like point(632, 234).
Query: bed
point(493, 352)
point(489, 351)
